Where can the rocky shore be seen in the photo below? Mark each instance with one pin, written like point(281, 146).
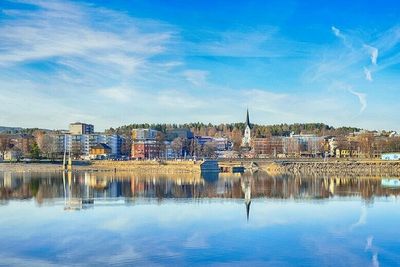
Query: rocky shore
point(369, 168)
point(348, 167)
point(134, 166)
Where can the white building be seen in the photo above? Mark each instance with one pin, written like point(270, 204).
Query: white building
point(246, 141)
point(82, 143)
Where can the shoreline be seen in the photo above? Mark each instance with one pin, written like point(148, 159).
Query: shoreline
point(355, 167)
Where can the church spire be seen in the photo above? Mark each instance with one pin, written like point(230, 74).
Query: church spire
point(247, 132)
point(247, 118)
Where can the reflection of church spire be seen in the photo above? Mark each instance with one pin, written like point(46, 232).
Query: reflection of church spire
point(246, 188)
point(248, 209)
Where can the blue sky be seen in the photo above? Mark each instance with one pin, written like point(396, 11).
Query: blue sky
point(118, 62)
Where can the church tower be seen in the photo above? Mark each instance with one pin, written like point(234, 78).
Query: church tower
point(247, 132)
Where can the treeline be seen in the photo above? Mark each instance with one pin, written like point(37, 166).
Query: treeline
point(231, 129)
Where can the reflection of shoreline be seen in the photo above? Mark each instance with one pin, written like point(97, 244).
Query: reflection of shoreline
point(49, 185)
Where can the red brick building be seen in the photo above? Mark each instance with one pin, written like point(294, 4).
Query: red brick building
point(147, 149)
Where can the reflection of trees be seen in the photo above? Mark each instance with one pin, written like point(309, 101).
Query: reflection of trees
point(97, 185)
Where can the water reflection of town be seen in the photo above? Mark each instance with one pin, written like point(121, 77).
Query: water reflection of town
point(48, 187)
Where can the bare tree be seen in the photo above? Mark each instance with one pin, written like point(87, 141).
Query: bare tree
point(5, 144)
point(177, 146)
point(194, 148)
point(17, 153)
point(49, 146)
point(160, 145)
point(209, 149)
point(236, 139)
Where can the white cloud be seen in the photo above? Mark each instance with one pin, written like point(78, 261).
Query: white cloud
point(362, 98)
point(368, 74)
point(368, 246)
point(373, 52)
point(117, 94)
point(336, 32)
point(9, 260)
point(63, 30)
point(265, 101)
point(196, 77)
point(196, 241)
point(363, 216)
point(265, 42)
point(375, 261)
point(175, 99)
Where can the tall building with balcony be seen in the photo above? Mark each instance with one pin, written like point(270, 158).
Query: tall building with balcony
point(81, 144)
point(81, 128)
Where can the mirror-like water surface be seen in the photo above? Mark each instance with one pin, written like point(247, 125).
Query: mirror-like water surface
point(183, 219)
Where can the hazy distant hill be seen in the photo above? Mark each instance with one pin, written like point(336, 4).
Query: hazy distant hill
point(4, 129)
point(20, 130)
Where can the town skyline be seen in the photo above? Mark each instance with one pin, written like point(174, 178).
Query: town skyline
point(114, 63)
point(182, 125)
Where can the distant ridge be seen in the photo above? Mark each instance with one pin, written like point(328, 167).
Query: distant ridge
point(20, 130)
point(4, 129)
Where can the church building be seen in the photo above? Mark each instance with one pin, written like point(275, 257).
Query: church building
point(247, 132)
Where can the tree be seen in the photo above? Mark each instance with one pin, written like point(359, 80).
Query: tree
point(177, 146)
point(5, 144)
point(49, 146)
point(160, 145)
point(39, 137)
point(76, 150)
point(35, 151)
point(209, 149)
point(366, 141)
point(236, 139)
point(195, 148)
point(17, 153)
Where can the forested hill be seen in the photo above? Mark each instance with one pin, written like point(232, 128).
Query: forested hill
point(230, 129)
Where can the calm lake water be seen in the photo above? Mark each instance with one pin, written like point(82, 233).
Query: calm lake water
point(123, 219)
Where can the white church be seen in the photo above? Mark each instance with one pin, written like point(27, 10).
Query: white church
point(247, 132)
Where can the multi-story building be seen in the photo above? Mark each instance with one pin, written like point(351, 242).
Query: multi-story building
point(145, 149)
point(81, 128)
point(144, 134)
point(221, 143)
point(175, 133)
point(288, 146)
point(269, 146)
point(145, 144)
point(81, 144)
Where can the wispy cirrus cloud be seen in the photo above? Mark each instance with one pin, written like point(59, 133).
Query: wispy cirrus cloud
point(373, 52)
point(196, 77)
point(70, 51)
point(119, 94)
point(74, 52)
point(368, 74)
point(337, 33)
point(362, 98)
point(67, 34)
